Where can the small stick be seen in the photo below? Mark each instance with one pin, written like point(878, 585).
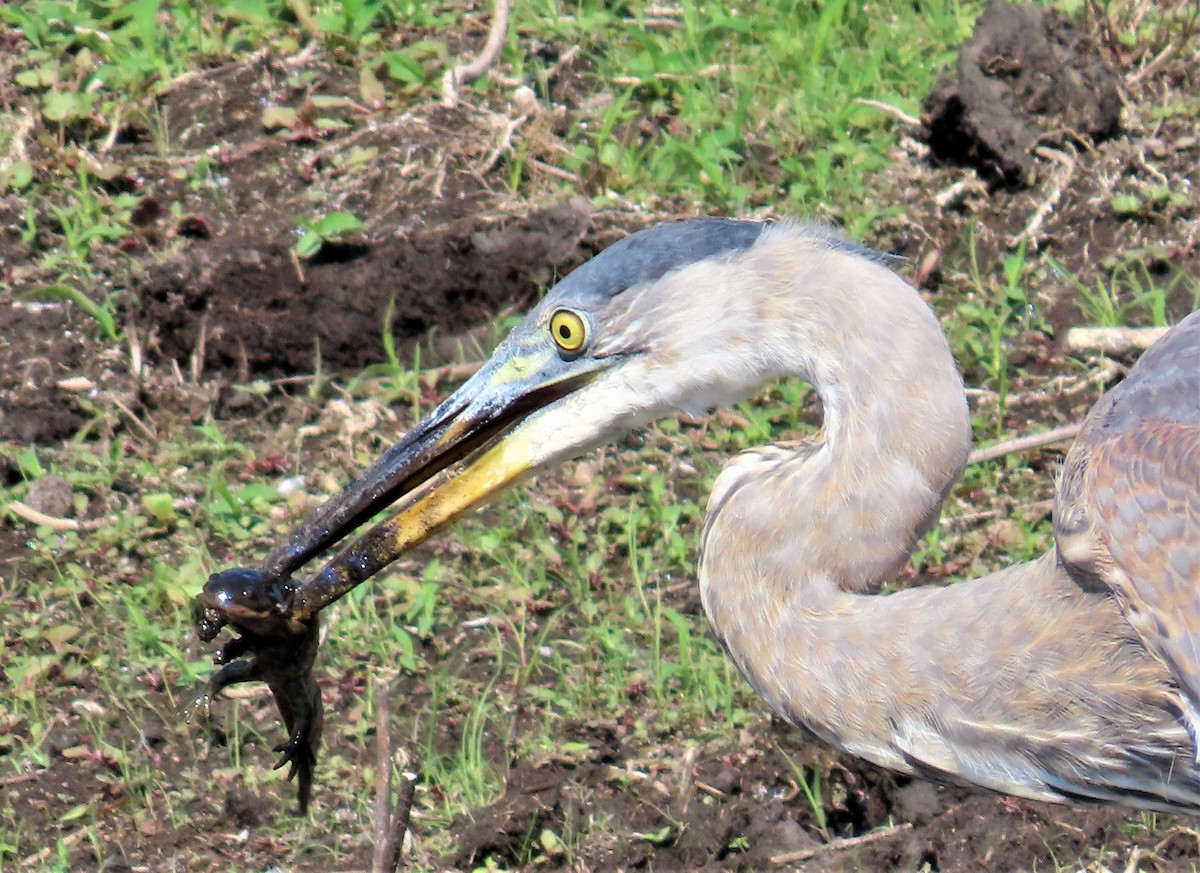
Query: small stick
point(1038, 507)
point(114, 131)
point(198, 353)
point(840, 844)
point(505, 143)
point(551, 170)
point(959, 190)
point(565, 58)
point(400, 818)
point(16, 507)
point(710, 790)
point(1024, 443)
point(136, 365)
point(1061, 180)
point(476, 68)
point(391, 822)
point(450, 371)
point(1112, 340)
point(34, 516)
point(894, 111)
point(141, 425)
point(382, 855)
point(1154, 64)
point(1135, 859)
point(297, 267)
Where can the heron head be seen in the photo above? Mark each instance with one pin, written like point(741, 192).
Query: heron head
point(651, 325)
point(681, 316)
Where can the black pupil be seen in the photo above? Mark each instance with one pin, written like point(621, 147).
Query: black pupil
point(564, 331)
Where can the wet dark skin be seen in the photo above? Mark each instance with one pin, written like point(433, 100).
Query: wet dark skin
point(274, 648)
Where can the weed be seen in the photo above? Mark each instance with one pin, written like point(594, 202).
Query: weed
point(330, 228)
point(984, 326)
point(464, 774)
point(103, 313)
point(811, 784)
point(1131, 294)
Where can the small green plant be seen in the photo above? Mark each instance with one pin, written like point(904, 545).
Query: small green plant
point(985, 324)
point(1131, 293)
point(331, 228)
point(1150, 201)
point(811, 784)
point(104, 313)
point(465, 774)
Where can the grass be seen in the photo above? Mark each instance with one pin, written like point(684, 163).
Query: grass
point(564, 607)
point(738, 101)
point(1131, 294)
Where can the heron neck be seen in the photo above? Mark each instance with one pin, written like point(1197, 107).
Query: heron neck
point(799, 536)
point(841, 512)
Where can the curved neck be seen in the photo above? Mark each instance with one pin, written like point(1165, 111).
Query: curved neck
point(798, 534)
point(841, 513)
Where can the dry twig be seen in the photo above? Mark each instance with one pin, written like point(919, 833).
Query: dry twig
point(476, 68)
point(840, 844)
point(895, 111)
point(137, 422)
point(1112, 340)
point(391, 822)
point(959, 190)
point(1024, 443)
point(33, 516)
point(1059, 184)
point(382, 854)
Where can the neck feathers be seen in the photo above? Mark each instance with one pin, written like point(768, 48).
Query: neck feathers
point(846, 508)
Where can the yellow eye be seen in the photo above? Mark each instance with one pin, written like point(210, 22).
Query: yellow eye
point(569, 330)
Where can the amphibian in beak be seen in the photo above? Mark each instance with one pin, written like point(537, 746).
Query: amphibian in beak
point(272, 648)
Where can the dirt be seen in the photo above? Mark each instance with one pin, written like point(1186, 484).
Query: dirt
point(1002, 167)
point(252, 310)
point(1028, 77)
point(430, 258)
point(745, 796)
point(214, 294)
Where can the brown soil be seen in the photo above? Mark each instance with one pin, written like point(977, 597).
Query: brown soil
point(215, 296)
point(1027, 77)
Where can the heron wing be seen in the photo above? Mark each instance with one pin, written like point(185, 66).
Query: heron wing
point(1144, 485)
point(1127, 513)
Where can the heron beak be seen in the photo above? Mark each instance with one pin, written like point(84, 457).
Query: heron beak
point(469, 448)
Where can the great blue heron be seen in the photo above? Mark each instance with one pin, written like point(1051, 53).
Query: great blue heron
point(1072, 678)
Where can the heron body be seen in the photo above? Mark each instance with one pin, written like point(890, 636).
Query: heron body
point(1029, 681)
point(1072, 678)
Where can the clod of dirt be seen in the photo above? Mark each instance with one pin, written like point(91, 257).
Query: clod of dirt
point(1027, 77)
point(51, 495)
point(39, 346)
point(38, 423)
point(777, 831)
point(502, 830)
point(116, 863)
point(244, 808)
point(251, 309)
